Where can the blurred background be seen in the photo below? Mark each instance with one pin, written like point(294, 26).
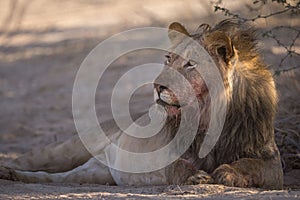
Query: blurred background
point(42, 44)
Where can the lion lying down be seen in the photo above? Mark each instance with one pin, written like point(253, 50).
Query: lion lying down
point(245, 154)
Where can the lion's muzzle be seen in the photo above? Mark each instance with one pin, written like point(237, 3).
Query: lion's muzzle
point(165, 97)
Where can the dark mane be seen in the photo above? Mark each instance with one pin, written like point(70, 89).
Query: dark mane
point(252, 102)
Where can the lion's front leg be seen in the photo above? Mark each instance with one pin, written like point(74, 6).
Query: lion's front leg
point(230, 176)
point(179, 172)
point(248, 172)
point(200, 177)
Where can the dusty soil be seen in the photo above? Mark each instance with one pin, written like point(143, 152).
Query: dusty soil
point(42, 44)
point(50, 191)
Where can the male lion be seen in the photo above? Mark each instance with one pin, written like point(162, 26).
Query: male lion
point(245, 154)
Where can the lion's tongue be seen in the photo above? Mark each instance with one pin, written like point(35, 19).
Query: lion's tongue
point(173, 110)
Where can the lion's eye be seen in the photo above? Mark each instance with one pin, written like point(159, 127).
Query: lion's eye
point(168, 61)
point(190, 64)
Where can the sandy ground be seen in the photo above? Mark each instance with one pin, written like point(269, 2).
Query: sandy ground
point(42, 44)
point(50, 191)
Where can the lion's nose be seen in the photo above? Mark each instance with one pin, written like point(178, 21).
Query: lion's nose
point(160, 88)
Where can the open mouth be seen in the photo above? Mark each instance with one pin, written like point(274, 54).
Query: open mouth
point(163, 103)
point(172, 109)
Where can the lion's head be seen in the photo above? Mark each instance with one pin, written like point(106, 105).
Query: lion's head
point(233, 49)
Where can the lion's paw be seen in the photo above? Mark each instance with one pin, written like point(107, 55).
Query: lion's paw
point(179, 171)
point(227, 175)
point(7, 173)
point(201, 177)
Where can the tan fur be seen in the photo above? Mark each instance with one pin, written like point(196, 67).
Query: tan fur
point(245, 155)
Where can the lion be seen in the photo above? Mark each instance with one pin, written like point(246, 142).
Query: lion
point(245, 154)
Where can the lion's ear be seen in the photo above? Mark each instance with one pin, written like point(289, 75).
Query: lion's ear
point(177, 32)
point(225, 49)
point(219, 41)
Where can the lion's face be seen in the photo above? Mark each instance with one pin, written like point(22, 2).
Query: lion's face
point(166, 97)
point(216, 44)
